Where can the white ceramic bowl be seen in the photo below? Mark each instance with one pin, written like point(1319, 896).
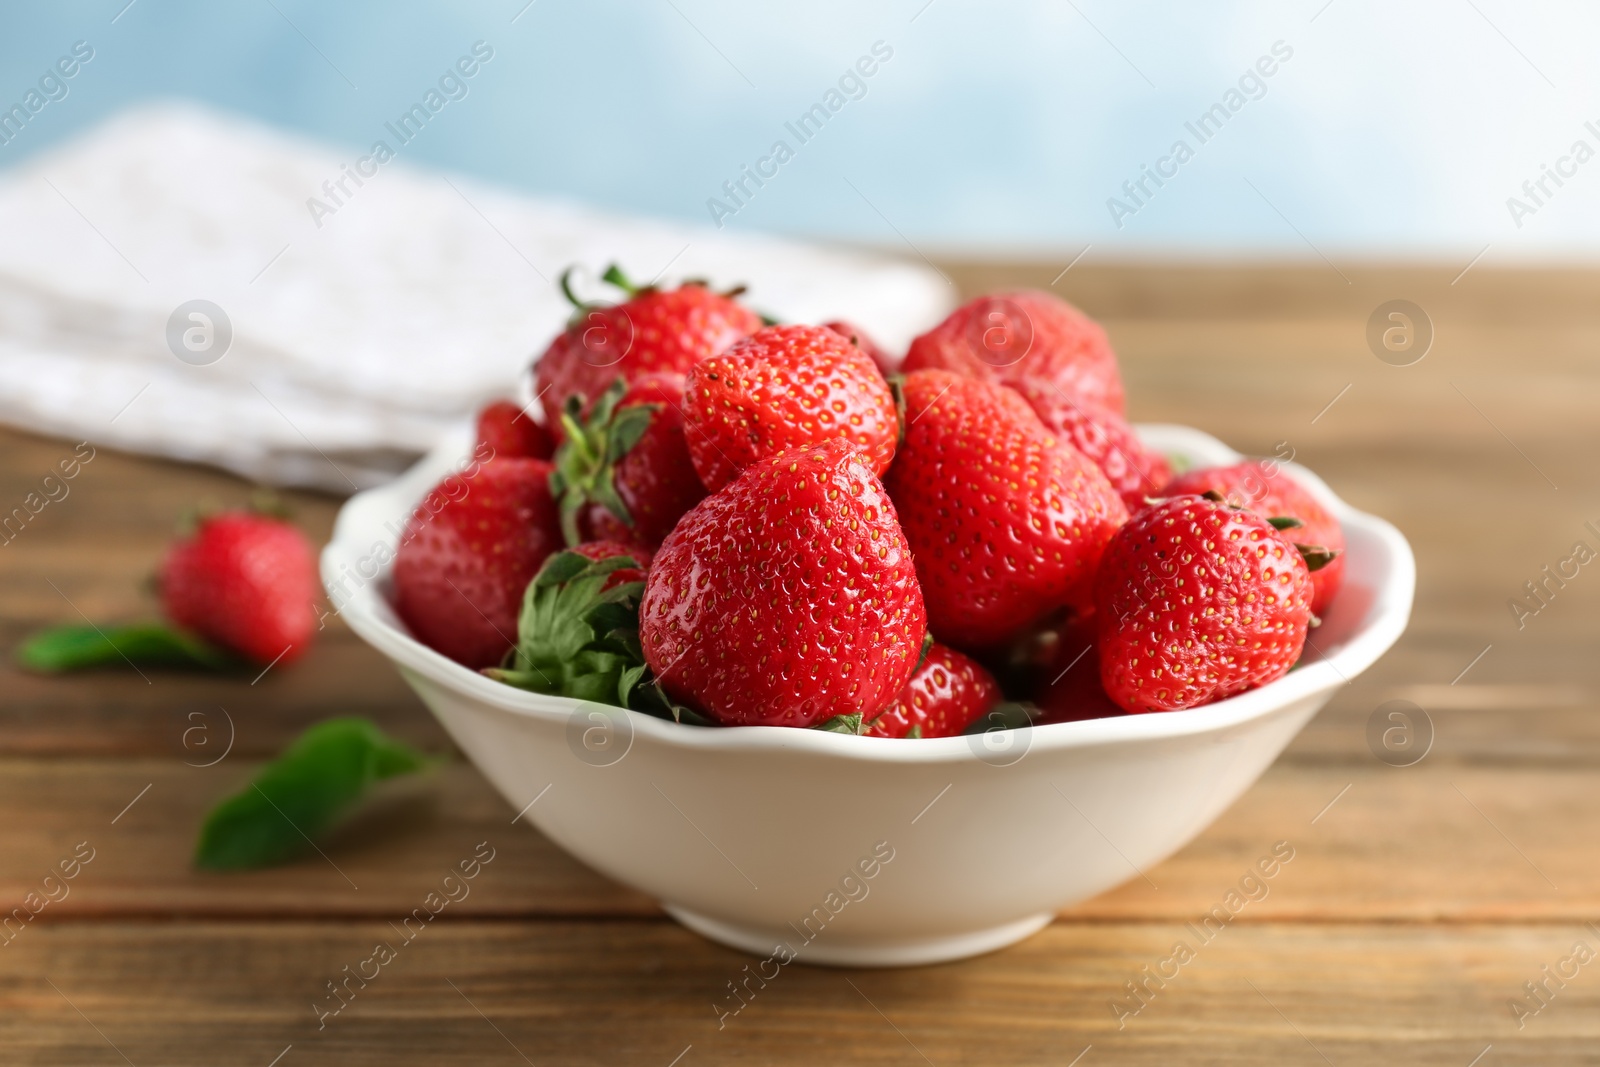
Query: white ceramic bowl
point(760, 837)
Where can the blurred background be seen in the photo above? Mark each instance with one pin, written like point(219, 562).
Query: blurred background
point(1394, 131)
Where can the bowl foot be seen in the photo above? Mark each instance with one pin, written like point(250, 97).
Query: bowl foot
point(906, 952)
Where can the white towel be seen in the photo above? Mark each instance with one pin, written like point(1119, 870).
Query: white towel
point(355, 342)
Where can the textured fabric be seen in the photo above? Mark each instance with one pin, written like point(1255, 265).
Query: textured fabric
point(358, 335)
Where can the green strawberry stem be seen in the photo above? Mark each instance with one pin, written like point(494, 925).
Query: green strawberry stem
point(566, 290)
point(141, 644)
point(1316, 556)
point(1285, 522)
point(585, 465)
point(615, 276)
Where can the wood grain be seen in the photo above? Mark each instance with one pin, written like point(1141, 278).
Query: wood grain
point(643, 993)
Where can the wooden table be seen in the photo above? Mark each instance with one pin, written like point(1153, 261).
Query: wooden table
point(1419, 902)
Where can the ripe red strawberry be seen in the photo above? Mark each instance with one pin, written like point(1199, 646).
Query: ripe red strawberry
point(654, 330)
point(1023, 336)
point(510, 431)
point(780, 388)
point(468, 553)
point(599, 550)
point(624, 472)
point(245, 581)
point(1198, 601)
point(944, 696)
point(887, 364)
point(1133, 470)
point(1265, 489)
point(1069, 689)
point(1006, 521)
point(788, 598)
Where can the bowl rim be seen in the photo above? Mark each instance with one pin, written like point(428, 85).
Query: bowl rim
point(386, 507)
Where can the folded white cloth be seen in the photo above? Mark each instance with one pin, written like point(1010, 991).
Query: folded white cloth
point(358, 334)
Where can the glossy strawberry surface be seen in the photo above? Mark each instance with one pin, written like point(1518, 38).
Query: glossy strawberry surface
point(510, 431)
point(656, 330)
point(1197, 601)
point(781, 388)
point(245, 581)
point(1006, 521)
point(887, 363)
point(1266, 489)
point(468, 553)
point(1024, 336)
point(944, 696)
point(787, 598)
point(1133, 470)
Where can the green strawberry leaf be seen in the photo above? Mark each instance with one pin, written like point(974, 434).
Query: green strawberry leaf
point(1011, 715)
point(567, 608)
point(585, 464)
point(843, 724)
point(648, 696)
point(1316, 556)
point(915, 731)
point(627, 426)
point(578, 639)
point(1285, 522)
point(142, 644)
point(298, 796)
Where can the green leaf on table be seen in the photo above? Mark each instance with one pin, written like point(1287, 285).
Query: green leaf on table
point(140, 644)
point(298, 796)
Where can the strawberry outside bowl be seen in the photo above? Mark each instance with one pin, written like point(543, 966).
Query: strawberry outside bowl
point(864, 851)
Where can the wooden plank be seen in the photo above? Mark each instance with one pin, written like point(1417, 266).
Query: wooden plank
point(393, 852)
point(1297, 289)
point(93, 551)
point(1393, 846)
point(610, 993)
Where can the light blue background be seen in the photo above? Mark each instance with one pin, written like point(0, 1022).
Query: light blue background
point(996, 127)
